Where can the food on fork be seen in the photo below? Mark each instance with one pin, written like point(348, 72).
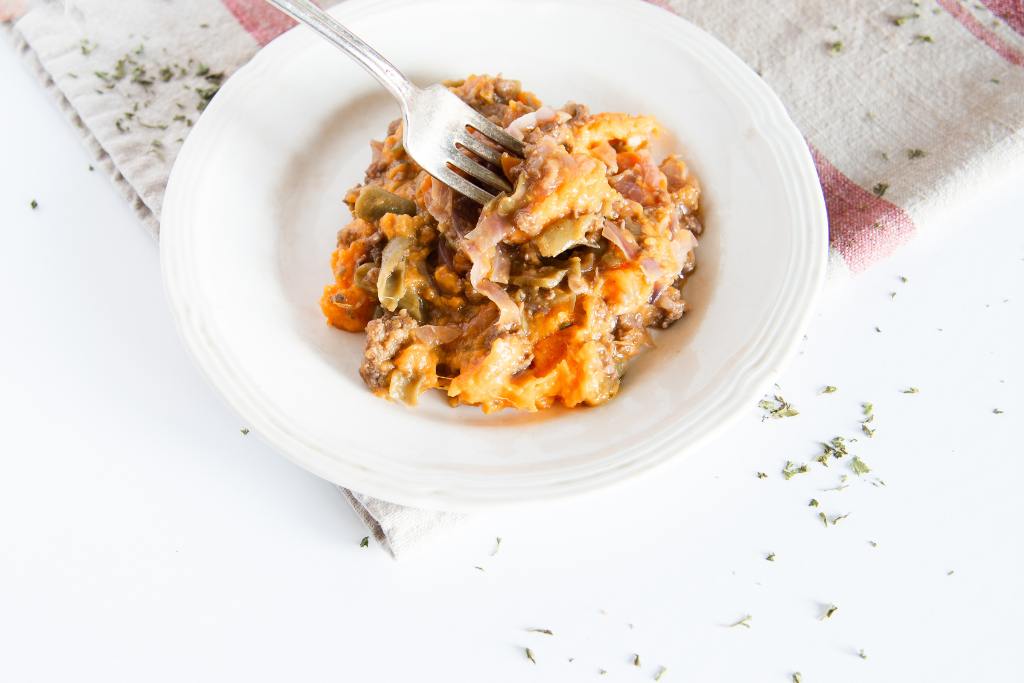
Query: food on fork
point(541, 296)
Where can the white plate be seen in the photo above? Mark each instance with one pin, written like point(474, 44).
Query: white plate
point(254, 203)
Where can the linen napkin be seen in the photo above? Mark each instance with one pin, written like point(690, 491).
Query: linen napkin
point(906, 106)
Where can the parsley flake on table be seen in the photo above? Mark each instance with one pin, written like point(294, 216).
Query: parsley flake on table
point(777, 407)
point(744, 622)
point(33, 205)
point(529, 655)
point(911, 390)
point(660, 673)
point(832, 609)
point(813, 503)
point(636, 660)
point(873, 544)
point(916, 153)
point(839, 518)
point(862, 654)
point(879, 189)
point(770, 557)
point(834, 47)
point(997, 411)
point(791, 470)
point(923, 38)
point(365, 542)
point(797, 678)
point(867, 430)
point(829, 389)
point(762, 475)
point(823, 518)
point(858, 466)
point(545, 631)
point(244, 430)
point(497, 546)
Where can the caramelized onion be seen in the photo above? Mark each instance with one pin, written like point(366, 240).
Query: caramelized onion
point(622, 238)
point(651, 269)
point(436, 335)
point(530, 120)
point(508, 312)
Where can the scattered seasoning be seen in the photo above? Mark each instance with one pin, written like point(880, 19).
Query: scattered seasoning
point(878, 329)
point(858, 466)
point(916, 153)
point(777, 407)
point(244, 430)
point(994, 80)
point(835, 47)
point(813, 503)
point(869, 408)
point(545, 631)
point(823, 518)
point(997, 411)
point(836, 447)
point(497, 546)
point(923, 38)
point(762, 475)
point(72, 74)
point(949, 573)
point(879, 189)
point(867, 430)
point(119, 124)
point(823, 459)
point(832, 609)
point(529, 655)
point(204, 25)
point(479, 568)
point(365, 542)
point(33, 205)
point(829, 390)
point(892, 295)
point(838, 518)
point(86, 46)
point(636, 660)
point(791, 470)
point(899, 21)
point(770, 557)
point(903, 279)
point(744, 622)
point(873, 544)
point(91, 168)
point(661, 672)
point(911, 390)
point(797, 677)
point(862, 654)
point(601, 672)
point(885, 156)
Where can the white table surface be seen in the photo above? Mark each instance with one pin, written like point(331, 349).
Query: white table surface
point(144, 538)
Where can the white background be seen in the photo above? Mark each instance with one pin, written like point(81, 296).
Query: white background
point(143, 537)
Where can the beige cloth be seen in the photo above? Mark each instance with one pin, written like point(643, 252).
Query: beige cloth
point(906, 110)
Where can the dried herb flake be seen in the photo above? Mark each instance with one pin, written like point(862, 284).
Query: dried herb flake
point(529, 655)
point(744, 622)
point(879, 189)
point(829, 389)
point(858, 466)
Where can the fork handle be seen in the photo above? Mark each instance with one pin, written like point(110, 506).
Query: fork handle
point(305, 12)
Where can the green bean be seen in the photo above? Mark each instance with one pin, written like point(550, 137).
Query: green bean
point(373, 202)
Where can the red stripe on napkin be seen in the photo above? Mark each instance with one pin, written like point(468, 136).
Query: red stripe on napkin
point(1010, 11)
point(263, 22)
point(862, 227)
point(982, 32)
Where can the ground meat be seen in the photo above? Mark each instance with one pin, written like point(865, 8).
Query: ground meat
point(669, 307)
point(385, 338)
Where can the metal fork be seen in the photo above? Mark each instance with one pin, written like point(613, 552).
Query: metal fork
point(437, 124)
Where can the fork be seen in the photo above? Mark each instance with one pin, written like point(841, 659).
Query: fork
point(437, 124)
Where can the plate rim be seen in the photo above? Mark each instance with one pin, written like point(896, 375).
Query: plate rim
point(799, 292)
